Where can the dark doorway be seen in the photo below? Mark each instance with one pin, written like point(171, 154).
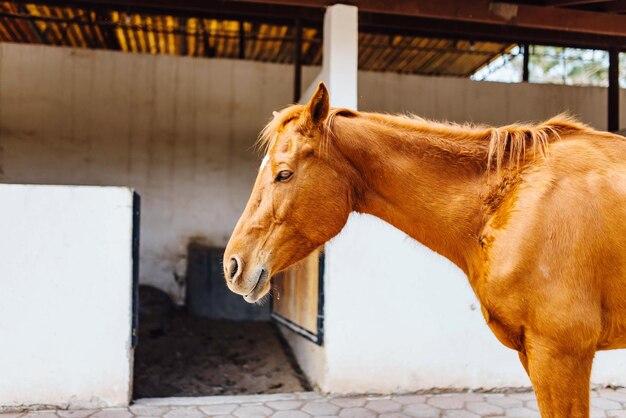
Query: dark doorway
point(183, 354)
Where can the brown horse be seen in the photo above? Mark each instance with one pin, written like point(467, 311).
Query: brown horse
point(535, 215)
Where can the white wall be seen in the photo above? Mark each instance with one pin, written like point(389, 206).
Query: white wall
point(181, 131)
point(464, 100)
point(65, 298)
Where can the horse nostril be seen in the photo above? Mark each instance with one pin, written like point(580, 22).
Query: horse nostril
point(234, 267)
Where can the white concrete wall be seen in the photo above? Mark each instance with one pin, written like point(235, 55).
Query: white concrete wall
point(180, 131)
point(464, 100)
point(65, 297)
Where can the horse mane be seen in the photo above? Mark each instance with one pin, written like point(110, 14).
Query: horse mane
point(498, 147)
point(268, 135)
point(511, 142)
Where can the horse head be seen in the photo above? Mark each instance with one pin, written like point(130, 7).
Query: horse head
point(300, 199)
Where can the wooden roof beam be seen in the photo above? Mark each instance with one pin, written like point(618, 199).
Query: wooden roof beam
point(560, 3)
point(499, 14)
point(479, 19)
point(615, 7)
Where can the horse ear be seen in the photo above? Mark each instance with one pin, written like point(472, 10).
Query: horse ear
point(317, 109)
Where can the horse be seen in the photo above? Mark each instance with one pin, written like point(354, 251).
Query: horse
point(533, 214)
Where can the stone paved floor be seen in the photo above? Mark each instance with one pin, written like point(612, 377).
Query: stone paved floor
point(605, 403)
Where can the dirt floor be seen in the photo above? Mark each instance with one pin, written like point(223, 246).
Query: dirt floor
point(182, 355)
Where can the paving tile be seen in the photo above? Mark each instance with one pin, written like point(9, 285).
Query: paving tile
point(383, 405)
point(349, 402)
point(410, 399)
point(222, 409)
point(459, 413)
point(148, 411)
point(504, 401)
point(320, 408)
point(484, 409)
point(112, 413)
point(471, 397)
point(612, 395)
point(605, 404)
point(357, 413)
point(532, 404)
point(522, 413)
point(524, 396)
point(78, 413)
point(184, 412)
point(253, 412)
point(597, 413)
point(290, 414)
point(446, 402)
point(284, 405)
point(422, 411)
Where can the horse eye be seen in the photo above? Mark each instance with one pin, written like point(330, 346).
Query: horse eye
point(283, 175)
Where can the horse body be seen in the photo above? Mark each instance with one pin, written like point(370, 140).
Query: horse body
point(534, 215)
point(554, 250)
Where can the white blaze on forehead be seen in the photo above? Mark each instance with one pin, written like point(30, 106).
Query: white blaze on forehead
point(265, 160)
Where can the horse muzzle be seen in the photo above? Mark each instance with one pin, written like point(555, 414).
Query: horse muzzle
point(252, 285)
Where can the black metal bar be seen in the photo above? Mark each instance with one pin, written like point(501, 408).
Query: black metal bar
point(103, 23)
point(297, 62)
point(613, 109)
point(135, 257)
point(242, 40)
point(184, 40)
point(321, 298)
point(525, 64)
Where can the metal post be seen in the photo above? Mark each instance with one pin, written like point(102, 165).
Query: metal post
point(242, 41)
point(526, 62)
point(297, 62)
point(613, 110)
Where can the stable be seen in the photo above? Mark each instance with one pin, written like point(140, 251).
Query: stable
point(127, 137)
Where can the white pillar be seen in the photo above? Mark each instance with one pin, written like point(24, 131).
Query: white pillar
point(339, 72)
point(341, 54)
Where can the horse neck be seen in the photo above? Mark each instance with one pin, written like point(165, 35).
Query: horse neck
point(417, 181)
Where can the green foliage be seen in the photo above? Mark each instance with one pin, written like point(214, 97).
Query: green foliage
point(572, 66)
point(558, 65)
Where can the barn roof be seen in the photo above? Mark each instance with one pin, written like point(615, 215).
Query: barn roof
point(161, 32)
point(437, 37)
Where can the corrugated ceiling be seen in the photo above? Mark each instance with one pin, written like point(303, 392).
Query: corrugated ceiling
point(204, 37)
